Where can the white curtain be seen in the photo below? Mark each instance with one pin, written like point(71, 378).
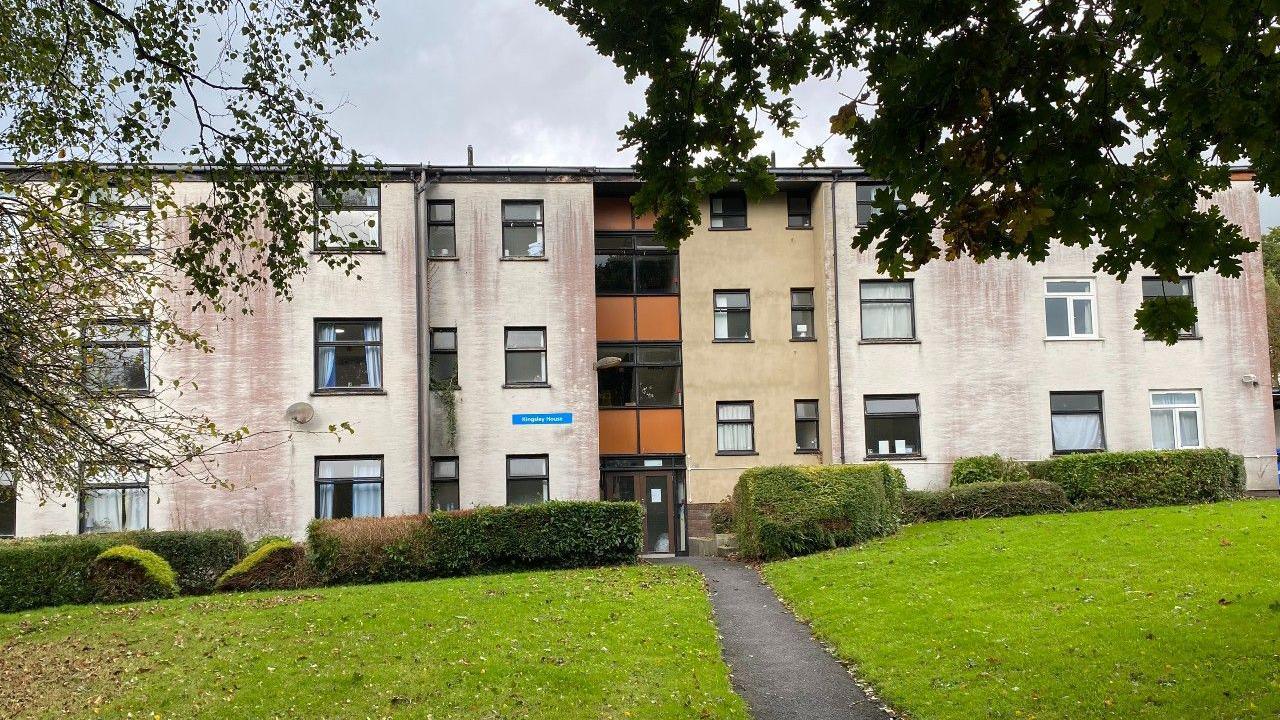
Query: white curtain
point(886, 320)
point(328, 357)
point(1083, 316)
point(1162, 433)
point(324, 500)
point(721, 325)
point(102, 511)
point(366, 500)
point(373, 354)
point(1189, 428)
point(733, 436)
point(135, 508)
point(1077, 432)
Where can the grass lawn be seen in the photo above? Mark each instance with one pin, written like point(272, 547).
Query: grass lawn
point(634, 642)
point(1162, 613)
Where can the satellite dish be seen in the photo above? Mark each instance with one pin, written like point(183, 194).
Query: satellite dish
point(609, 361)
point(300, 413)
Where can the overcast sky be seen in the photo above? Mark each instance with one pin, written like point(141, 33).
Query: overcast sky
point(519, 84)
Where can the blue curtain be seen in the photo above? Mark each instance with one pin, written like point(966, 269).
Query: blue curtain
point(328, 357)
point(373, 354)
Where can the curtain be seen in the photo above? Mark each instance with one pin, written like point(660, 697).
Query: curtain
point(324, 500)
point(1189, 428)
point(102, 510)
point(1084, 316)
point(886, 320)
point(135, 508)
point(366, 499)
point(328, 357)
point(733, 435)
point(721, 324)
point(1077, 432)
point(1162, 434)
point(373, 354)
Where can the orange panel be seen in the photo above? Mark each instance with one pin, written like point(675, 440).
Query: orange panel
point(645, 221)
point(613, 213)
point(617, 432)
point(615, 319)
point(661, 431)
point(658, 318)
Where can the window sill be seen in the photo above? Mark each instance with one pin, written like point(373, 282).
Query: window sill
point(352, 251)
point(809, 452)
point(732, 340)
point(739, 453)
point(796, 339)
point(1079, 452)
point(347, 391)
point(524, 259)
point(1073, 339)
point(894, 458)
point(446, 258)
point(1180, 338)
point(799, 227)
point(129, 394)
point(890, 341)
point(716, 229)
point(518, 386)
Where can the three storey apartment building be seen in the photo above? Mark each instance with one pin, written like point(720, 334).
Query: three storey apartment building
point(516, 335)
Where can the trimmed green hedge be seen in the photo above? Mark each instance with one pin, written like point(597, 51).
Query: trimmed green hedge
point(555, 534)
point(788, 510)
point(987, 499)
point(987, 468)
point(277, 564)
point(53, 570)
point(1145, 478)
point(124, 573)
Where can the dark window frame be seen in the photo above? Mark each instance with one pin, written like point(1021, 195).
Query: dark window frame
point(317, 343)
point(434, 351)
point(436, 480)
point(322, 207)
point(86, 486)
point(745, 310)
point(815, 421)
point(452, 223)
point(9, 496)
point(144, 343)
point(807, 223)
point(861, 218)
point(917, 414)
point(128, 209)
point(540, 223)
point(811, 308)
point(1194, 333)
point(634, 251)
point(722, 215)
point(546, 477)
point(1100, 412)
point(862, 303)
point(636, 364)
point(546, 362)
point(381, 480)
point(749, 422)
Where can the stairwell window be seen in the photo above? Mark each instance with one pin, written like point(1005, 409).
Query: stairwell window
point(888, 310)
point(892, 425)
point(735, 428)
point(729, 211)
point(444, 483)
point(866, 196)
point(526, 356)
point(349, 487)
point(802, 314)
point(732, 316)
point(114, 498)
point(444, 356)
point(527, 479)
point(1156, 290)
point(348, 356)
point(1077, 422)
point(799, 210)
point(1070, 309)
point(522, 230)
point(1176, 421)
point(117, 356)
point(807, 426)
point(350, 218)
point(442, 242)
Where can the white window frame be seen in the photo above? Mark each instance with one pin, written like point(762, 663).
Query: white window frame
point(1177, 410)
point(1070, 297)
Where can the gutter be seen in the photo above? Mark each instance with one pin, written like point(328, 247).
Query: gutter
point(835, 281)
point(419, 280)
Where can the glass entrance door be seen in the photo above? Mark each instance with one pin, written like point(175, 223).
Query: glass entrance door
point(654, 491)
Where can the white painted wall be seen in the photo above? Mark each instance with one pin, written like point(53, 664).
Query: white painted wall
point(984, 371)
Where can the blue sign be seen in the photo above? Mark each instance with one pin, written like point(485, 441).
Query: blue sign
point(562, 418)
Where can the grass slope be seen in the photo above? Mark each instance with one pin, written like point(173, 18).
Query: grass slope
point(632, 642)
point(1161, 613)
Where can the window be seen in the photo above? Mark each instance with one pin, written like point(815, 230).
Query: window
point(349, 218)
point(444, 356)
point(526, 479)
point(1175, 420)
point(732, 315)
point(444, 483)
point(729, 211)
point(526, 356)
point(799, 210)
point(888, 309)
point(892, 424)
point(117, 356)
point(735, 428)
point(349, 487)
point(1154, 288)
point(633, 264)
point(522, 229)
point(866, 197)
point(349, 355)
point(441, 241)
point(114, 499)
point(1077, 421)
point(807, 426)
point(8, 505)
point(1069, 309)
point(802, 314)
point(127, 215)
point(649, 376)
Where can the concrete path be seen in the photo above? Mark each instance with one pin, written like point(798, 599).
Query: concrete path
point(776, 665)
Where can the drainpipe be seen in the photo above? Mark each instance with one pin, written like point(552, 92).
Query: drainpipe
point(835, 282)
point(419, 311)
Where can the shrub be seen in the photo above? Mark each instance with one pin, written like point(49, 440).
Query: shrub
point(266, 540)
point(986, 499)
point(1145, 478)
point(553, 534)
point(278, 564)
point(722, 516)
point(53, 570)
point(785, 510)
point(125, 573)
point(987, 468)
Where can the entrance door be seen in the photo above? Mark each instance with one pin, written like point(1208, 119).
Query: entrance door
point(652, 489)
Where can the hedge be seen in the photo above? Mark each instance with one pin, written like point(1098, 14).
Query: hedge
point(556, 534)
point(277, 564)
point(987, 468)
point(124, 573)
point(1145, 478)
point(786, 510)
point(53, 570)
point(986, 499)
